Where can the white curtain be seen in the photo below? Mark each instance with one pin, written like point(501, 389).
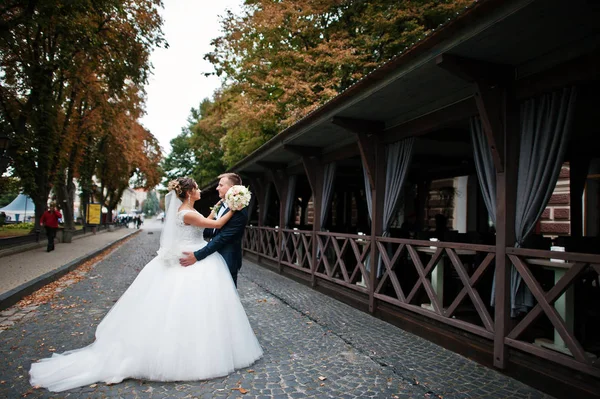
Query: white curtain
point(291, 192)
point(329, 175)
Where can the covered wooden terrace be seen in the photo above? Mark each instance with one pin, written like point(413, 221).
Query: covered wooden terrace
point(473, 123)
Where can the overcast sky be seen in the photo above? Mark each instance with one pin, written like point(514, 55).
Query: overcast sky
point(178, 83)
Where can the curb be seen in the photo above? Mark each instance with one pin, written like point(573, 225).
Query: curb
point(16, 294)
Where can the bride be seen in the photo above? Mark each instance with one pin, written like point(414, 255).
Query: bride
point(173, 323)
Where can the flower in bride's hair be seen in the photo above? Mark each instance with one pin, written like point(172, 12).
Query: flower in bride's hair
point(174, 185)
point(238, 197)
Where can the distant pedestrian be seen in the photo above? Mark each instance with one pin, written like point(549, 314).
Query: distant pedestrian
point(49, 221)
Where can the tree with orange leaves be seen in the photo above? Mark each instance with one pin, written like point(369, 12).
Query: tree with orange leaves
point(282, 59)
point(62, 62)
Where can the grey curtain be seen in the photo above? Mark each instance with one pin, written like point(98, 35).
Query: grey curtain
point(546, 124)
point(398, 156)
point(367, 191)
point(263, 212)
point(329, 175)
point(290, 199)
point(484, 164)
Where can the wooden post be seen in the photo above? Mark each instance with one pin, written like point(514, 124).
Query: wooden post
point(314, 173)
point(506, 198)
point(378, 197)
point(373, 157)
point(260, 190)
point(499, 112)
point(281, 183)
point(579, 166)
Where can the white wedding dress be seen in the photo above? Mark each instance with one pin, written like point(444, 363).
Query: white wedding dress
point(173, 323)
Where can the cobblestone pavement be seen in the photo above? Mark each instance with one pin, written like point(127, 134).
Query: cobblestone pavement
point(314, 346)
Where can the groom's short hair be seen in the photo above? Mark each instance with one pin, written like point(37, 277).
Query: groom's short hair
point(233, 178)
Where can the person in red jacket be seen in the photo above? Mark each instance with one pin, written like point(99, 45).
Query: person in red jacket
point(49, 221)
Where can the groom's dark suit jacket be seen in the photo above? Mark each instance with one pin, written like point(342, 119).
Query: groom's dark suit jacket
point(228, 242)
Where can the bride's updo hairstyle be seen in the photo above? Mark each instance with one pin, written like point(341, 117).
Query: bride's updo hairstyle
point(182, 185)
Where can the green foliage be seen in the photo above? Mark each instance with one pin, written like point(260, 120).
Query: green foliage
point(197, 151)
point(19, 226)
point(9, 189)
point(151, 206)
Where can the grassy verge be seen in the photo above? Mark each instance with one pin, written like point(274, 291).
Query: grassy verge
point(13, 232)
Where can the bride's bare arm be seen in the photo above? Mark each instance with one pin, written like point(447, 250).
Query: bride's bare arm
point(213, 212)
point(197, 219)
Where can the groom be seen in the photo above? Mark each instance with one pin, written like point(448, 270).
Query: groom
point(228, 240)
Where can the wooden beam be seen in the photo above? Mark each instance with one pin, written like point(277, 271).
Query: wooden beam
point(253, 175)
point(472, 70)
point(489, 79)
point(359, 125)
point(345, 152)
point(303, 151)
point(582, 70)
point(271, 165)
point(456, 112)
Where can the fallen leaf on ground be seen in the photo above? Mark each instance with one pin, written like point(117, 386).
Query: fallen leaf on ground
point(242, 390)
point(251, 371)
point(322, 378)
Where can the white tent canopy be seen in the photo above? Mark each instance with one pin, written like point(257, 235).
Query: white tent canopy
point(20, 209)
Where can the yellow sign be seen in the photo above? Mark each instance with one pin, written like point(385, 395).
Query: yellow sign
point(93, 213)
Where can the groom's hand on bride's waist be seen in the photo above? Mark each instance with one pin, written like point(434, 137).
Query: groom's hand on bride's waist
point(188, 259)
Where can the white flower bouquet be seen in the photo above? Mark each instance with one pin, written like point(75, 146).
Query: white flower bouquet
point(238, 197)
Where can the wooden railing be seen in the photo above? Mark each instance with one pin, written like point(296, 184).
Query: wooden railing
point(448, 282)
point(297, 247)
point(429, 264)
point(341, 258)
point(557, 304)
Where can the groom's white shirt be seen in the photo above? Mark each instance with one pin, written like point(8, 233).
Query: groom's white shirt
point(222, 211)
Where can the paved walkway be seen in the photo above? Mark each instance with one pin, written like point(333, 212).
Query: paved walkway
point(314, 346)
point(22, 267)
